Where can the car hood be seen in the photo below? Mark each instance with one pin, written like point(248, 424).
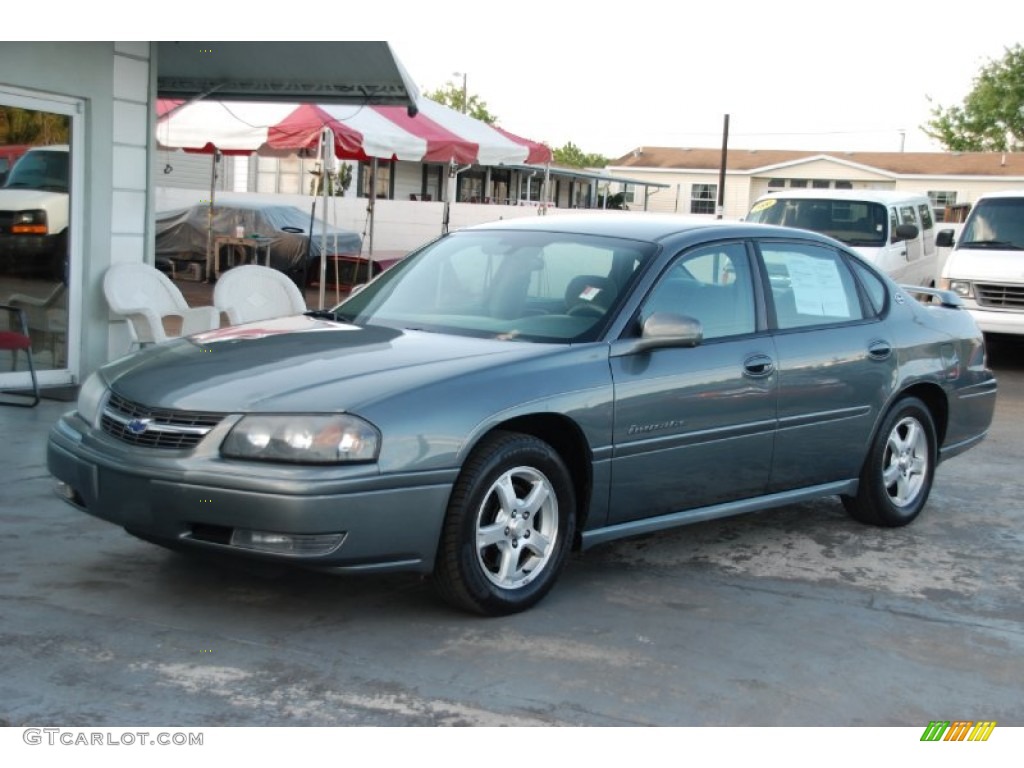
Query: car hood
point(986, 264)
point(299, 364)
point(23, 198)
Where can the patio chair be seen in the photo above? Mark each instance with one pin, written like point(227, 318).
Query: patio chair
point(250, 292)
point(46, 315)
point(145, 296)
point(14, 340)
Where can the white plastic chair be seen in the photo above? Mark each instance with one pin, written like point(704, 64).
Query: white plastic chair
point(250, 292)
point(145, 295)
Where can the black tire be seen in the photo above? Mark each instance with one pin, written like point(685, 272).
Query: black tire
point(520, 565)
point(898, 472)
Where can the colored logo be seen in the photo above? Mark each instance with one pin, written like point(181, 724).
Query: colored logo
point(958, 730)
point(138, 426)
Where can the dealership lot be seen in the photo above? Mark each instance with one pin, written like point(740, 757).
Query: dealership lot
point(797, 616)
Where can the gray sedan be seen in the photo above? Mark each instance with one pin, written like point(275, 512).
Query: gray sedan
point(518, 389)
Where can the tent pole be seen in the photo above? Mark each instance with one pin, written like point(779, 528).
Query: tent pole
point(210, 255)
point(326, 146)
point(373, 203)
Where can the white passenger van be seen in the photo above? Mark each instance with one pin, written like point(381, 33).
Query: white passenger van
point(986, 265)
point(893, 230)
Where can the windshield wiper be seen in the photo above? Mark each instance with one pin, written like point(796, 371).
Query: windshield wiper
point(322, 314)
point(992, 244)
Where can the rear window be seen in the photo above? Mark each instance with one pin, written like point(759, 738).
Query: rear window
point(856, 223)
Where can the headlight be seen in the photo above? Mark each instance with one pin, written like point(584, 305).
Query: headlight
point(961, 287)
point(299, 438)
point(91, 397)
point(29, 223)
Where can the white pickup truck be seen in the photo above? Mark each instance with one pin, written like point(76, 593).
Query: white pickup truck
point(34, 214)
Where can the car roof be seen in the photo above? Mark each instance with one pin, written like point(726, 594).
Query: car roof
point(884, 196)
point(1003, 193)
point(636, 226)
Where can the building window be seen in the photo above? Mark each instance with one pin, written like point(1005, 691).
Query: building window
point(939, 200)
point(844, 185)
point(776, 183)
point(383, 186)
point(798, 183)
point(629, 191)
point(821, 184)
point(703, 198)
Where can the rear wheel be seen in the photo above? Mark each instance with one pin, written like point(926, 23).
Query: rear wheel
point(898, 472)
point(509, 526)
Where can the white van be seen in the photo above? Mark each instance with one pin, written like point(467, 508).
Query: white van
point(893, 230)
point(986, 265)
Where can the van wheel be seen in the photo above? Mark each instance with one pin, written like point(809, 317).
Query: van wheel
point(897, 474)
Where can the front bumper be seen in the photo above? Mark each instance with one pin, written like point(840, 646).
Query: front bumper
point(388, 522)
point(996, 321)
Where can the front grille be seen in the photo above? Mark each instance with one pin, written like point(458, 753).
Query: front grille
point(1000, 296)
point(155, 427)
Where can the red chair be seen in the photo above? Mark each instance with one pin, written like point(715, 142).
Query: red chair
point(14, 342)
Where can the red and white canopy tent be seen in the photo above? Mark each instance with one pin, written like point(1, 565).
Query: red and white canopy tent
point(435, 134)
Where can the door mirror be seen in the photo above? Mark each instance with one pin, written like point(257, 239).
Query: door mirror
point(944, 238)
point(906, 232)
point(663, 329)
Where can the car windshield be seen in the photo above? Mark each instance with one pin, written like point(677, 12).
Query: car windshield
point(854, 222)
point(996, 223)
point(40, 169)
point(529, 286)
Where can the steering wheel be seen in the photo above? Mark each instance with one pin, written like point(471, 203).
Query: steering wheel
point(585, 309)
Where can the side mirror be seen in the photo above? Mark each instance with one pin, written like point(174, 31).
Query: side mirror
point(662, 329)
point(906, 232)
point(944, 238)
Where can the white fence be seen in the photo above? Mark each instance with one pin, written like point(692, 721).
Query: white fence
point(399, 225)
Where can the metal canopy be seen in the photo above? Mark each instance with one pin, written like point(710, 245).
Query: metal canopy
point(347, 72)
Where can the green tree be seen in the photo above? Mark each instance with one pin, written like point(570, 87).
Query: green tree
point(452, 95)
point(572, 156)
point(30, 126)
point(991, 118)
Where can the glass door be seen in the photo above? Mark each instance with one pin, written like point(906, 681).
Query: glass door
point(37, 270)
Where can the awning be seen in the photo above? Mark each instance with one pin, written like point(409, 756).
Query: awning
point(437, 134)
point(348, 72)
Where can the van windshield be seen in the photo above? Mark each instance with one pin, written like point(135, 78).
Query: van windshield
point(856, 223)
point(995, 223)
point(40, 169)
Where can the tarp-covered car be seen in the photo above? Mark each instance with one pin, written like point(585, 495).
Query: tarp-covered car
point(181, 235)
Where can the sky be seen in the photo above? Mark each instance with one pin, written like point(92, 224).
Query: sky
point(846, 75)
point(790, 75)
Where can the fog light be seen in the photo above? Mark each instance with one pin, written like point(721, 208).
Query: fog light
point(67, 493)
point(298, 544)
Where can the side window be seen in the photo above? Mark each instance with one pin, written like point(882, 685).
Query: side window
point(810, 285)
point(873, 286)
point(893, 223)
point(711, 284)
point(907, 215)
point(926, 216)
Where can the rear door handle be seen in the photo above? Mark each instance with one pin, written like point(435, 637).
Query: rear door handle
point(879, 349)
point(758, 366)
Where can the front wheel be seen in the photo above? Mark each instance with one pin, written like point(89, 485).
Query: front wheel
point(509, 526)
point(898, 472)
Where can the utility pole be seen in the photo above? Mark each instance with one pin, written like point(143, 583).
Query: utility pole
point(721, 171)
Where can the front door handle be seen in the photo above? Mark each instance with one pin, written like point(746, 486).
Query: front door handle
point(758, 366)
